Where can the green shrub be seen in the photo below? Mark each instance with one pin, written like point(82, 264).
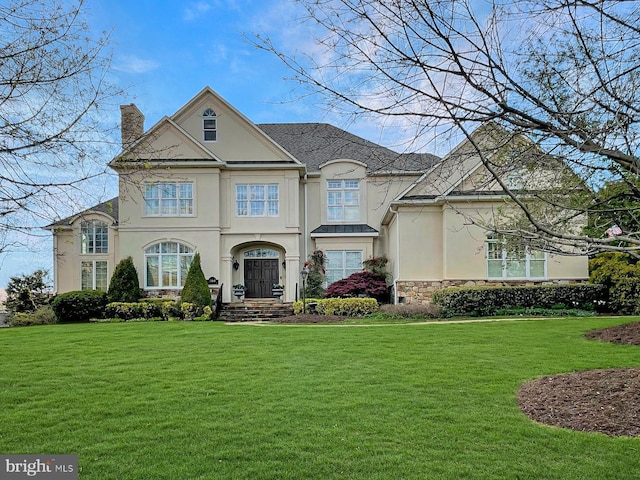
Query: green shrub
point(190, 310)
point(125, 310)
point(124, 285)
point(481, 301)
point(620, 274)
point(79, 305)
point(349, 307)
point(196, 289)
point(412, 310)
point(42, 316)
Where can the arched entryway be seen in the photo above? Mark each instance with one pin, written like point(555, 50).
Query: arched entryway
point(261, 271)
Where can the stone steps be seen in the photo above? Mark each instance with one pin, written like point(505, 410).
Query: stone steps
point(253, 310)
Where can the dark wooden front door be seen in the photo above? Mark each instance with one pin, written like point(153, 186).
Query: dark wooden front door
point(259, 276)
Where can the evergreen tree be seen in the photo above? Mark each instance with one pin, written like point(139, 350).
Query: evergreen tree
point(196, 290)
point(124, 285)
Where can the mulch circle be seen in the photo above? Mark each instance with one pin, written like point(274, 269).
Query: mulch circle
point(604, 401)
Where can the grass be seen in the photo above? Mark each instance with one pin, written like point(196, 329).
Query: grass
point(175, 400)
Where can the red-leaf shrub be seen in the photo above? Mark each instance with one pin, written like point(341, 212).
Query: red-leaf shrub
point(360, 283)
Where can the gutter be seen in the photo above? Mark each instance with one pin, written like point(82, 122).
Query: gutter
point(397, 267)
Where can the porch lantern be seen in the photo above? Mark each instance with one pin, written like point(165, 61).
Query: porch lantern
point(304, 273)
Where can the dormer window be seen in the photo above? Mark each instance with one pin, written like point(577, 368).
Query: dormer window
point(209, 125)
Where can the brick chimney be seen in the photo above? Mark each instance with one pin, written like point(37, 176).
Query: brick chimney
point(132, 126)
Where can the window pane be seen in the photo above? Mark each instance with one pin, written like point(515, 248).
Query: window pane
point(536, 268)
point(351, 184)
point(151, 207)
point(152, 271)
point(86, 275)
point(257, 209)
point(210, 124)
point(169, 247)
point(334, 213)
point(352, 213)
point(102, 238)
point(272, 192)
point(169, 266)
point(516, 268)
point(334, 184)
point(334, 199)
point(256, 192)
point(186, 207)
point(354, 260)
point(494, 268)
point(241, 209)
point(170, 207)
point(101, 275)
point(273, 209)
point(185, 262)
point(210, 136)
point(351, 198)
point(151, 191)
point(241, 192)
point(169, 190)
point(186, 190)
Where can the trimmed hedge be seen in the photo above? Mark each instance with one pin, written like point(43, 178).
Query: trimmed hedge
point(348, 307)
point(79, 305)
point(151, 308)
point(481, 301)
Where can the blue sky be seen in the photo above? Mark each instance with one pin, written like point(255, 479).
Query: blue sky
point(165, 52)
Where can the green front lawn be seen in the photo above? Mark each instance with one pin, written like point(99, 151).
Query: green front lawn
point(205, 400)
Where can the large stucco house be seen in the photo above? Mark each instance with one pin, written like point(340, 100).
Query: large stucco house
point(256, 200)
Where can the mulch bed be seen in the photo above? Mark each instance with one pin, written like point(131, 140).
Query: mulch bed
point(605, 401)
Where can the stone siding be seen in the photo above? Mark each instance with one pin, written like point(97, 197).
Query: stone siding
point(420, 292)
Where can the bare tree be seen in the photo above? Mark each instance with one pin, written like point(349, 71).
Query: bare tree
point(563, 73)
point(52, 83)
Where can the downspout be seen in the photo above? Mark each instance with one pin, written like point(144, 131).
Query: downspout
point(397, 267)
point(306, 214)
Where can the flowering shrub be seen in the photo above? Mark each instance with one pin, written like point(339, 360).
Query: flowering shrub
point(365, 283)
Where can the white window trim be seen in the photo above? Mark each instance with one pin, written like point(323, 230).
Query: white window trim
point(343, 206)
point(265, 211)
point(209, 114)
point(527, 260)
point(178, 214)
point(159, 255)
point(92, 233)
point(93, 274)
point(344, 258)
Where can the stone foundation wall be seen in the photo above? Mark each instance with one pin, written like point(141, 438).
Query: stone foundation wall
point(420, 292)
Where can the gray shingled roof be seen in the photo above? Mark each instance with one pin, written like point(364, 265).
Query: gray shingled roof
point(110, 207)
point(316, 143)
point(344, 229)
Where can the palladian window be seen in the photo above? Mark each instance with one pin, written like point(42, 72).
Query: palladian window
point(166, 265)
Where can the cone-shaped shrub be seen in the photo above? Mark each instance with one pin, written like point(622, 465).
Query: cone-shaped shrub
point(124, 285)
point(196, 289)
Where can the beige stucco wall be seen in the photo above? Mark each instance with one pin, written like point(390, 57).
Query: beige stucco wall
point(237, 140)
point(68, 257)
point(419, 251)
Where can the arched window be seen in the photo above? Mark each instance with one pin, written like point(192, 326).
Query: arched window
point(94, 237)
point(209, 125)
point(166, 265)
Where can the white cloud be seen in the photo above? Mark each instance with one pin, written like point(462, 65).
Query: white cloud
point(195, 10)
point(133, 64)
